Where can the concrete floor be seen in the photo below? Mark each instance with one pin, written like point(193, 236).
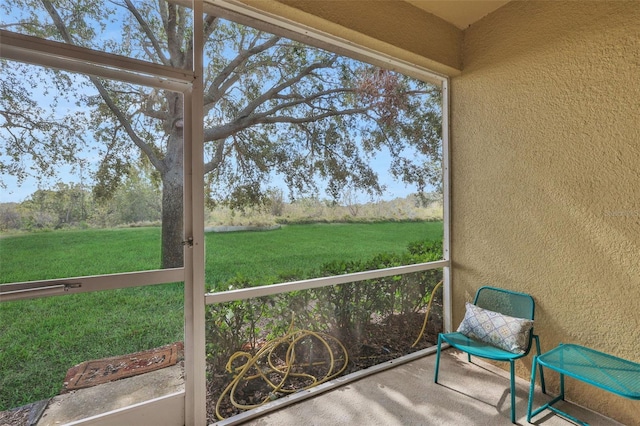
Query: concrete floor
point(468, 394)
point(88, 402)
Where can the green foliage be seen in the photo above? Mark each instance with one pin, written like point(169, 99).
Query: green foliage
point(230, 325)
point(351, 305)
point(425, 251)
point(275, 201)
point(137, 199)
point(345, 309)
point(63, 206)
point(10, 218)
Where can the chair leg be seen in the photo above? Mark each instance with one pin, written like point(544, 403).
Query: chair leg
point(513, 392)
point(435, 377)
point(542, 385)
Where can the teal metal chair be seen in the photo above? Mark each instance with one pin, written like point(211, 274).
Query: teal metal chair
point(511, 303)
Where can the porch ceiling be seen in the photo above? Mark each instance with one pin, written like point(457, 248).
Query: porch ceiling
point(461, 13)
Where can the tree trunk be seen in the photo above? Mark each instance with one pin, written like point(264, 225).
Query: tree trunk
point(172, 218)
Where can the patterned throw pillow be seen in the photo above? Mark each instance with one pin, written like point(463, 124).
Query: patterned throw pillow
point(496, 329)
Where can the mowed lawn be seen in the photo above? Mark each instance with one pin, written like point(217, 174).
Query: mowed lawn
point(41, 339)
point(300, 249)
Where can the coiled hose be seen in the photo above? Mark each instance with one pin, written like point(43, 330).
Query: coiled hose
point(337, 364)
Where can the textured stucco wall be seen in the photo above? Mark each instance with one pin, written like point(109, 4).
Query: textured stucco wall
point(391, 27)
point(546, 174)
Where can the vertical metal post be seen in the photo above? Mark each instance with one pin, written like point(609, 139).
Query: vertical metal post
point(446, 189)
point(194, 288)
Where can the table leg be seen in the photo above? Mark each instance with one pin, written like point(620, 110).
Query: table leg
point(532, 386)
point(561, 375)
point(549, 405)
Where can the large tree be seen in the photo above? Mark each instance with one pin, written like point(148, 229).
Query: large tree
point(272, 106)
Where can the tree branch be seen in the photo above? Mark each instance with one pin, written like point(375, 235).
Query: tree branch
point(224, 131)
point(173, 38)
point(124, 122)
point(299, 100)
point(215, 93)
point(105, 94)
point(218, 158)
point(309, 119)
point(147, 30)
point(269, 94)
point(210, 24)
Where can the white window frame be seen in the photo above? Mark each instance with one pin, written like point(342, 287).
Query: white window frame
point(189, 407)
point(256, 18)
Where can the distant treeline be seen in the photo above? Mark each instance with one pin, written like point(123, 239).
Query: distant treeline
point(73, 205)
point(137, 202)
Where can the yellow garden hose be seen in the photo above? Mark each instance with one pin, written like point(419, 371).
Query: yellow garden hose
point(426, 315)
point(262, 371)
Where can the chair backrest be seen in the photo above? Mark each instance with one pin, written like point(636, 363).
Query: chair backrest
point(507, 302)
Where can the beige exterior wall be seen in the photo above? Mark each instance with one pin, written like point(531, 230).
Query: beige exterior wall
point(546, 174)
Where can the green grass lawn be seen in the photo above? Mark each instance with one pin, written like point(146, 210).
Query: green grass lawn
point(41, 339)
point(76, 253)
point(300, 249)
